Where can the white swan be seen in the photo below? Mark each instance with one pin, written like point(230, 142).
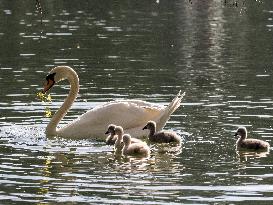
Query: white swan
point(132, 115)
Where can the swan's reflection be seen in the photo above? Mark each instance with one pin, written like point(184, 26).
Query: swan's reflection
point(245, 155)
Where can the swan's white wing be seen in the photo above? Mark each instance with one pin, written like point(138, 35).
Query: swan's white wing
point(125, 113)
point(128, 114)
point(140, 103)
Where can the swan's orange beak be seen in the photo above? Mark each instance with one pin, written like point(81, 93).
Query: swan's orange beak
point(48, 84)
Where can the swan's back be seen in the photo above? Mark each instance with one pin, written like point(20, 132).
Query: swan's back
point(132, 115)
point(126, 113)
point(119, 110)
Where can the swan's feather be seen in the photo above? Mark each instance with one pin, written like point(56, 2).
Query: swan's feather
point(125, 113)
point(130, 114)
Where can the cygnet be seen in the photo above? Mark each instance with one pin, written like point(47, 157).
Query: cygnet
point(132, 149)
point(163, 136)
point(119, 143)
point(112, 137)
point(250, 143)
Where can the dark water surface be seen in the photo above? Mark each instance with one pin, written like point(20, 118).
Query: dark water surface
point(221, 55)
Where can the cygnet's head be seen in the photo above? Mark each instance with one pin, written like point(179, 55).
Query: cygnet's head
point(242, 132)
point(119, 130)
point(126, 139)
point(150, 125)
point(111, 129)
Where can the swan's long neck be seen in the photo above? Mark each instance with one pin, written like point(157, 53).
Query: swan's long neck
point(73, 79)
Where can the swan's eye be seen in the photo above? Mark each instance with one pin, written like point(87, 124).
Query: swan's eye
point(49, 82)
point(50, 76)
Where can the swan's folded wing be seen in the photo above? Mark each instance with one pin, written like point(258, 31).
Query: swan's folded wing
point(128, 114)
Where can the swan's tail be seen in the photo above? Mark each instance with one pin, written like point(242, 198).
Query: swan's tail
point(165, 116)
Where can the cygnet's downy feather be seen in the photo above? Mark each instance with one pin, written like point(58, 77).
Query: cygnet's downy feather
point(119, 143)
point(134, 149)
point(163, 136)
point(112, 137)
point(249, 143)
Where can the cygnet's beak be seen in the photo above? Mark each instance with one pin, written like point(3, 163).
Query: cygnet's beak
point(107, 132)
point(144, 128)
point(236, 134)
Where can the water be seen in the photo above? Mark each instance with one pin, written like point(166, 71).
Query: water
point(221, 55)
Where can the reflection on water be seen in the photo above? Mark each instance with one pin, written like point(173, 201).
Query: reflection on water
point(219, 54)
point(245, 155)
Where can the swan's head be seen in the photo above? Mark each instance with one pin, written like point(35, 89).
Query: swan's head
point(242, 132)
point(119, 130)
point(150, 125)
point(111, 129)
point(126, 139)
point(57, 74)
